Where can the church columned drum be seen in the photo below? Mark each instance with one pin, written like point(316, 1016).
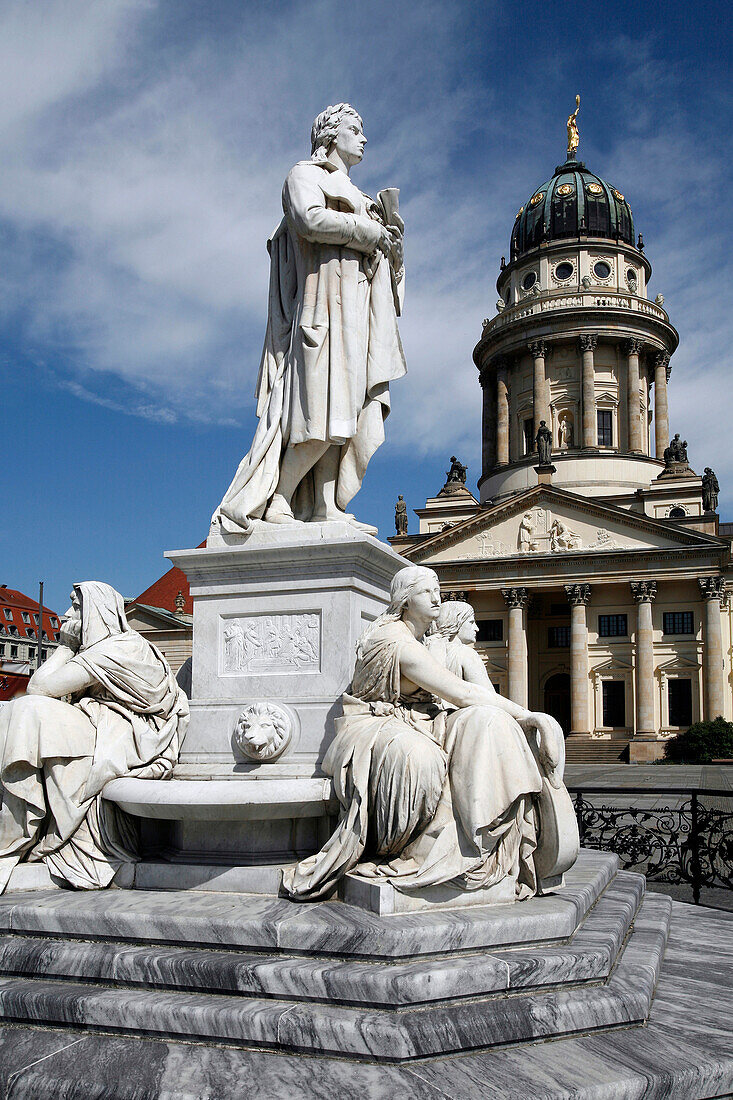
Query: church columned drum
point(600, 580)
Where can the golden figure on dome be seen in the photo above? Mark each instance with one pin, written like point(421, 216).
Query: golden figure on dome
point(573, 135)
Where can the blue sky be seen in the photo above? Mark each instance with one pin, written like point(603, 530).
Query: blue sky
point(144, 147)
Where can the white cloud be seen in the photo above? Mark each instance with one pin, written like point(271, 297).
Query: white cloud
point(145, 163)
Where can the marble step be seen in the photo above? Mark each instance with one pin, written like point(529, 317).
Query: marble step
point(359, 1031)
point(587, 957)
point(262, 923)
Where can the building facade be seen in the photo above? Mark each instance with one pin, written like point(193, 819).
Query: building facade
point(597, 571)
point(163, 614)
point(19, 627)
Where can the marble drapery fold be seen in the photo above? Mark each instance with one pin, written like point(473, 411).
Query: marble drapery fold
point(435, 796)
point(332, 345)
point(58, 756)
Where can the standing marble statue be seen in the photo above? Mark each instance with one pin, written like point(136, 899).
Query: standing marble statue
point(126, 716)
point(438, 776)
point(332, 345)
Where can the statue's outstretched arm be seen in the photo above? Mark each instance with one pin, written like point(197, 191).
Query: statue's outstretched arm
point(417, 665)
point(474, 670)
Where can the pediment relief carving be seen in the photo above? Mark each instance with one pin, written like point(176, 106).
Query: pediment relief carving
point(551, 522)
point(539, 530)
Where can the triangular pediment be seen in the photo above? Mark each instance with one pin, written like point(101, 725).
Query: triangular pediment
point(615, 663)
point(549, 522)
point(678, 663)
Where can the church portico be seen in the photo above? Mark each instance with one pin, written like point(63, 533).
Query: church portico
point(597, 572)
point(609, 619)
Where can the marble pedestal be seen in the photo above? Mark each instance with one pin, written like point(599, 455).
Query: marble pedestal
point(276, 619)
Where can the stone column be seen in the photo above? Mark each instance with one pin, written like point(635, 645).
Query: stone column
point(488, 423)
point(633, 348)
point(541, 407)
point(712, 590)
point(502, 416)
point(662, 371)
point(644, 593)
point(579, 597)
point(588, 389)
point(516, 600)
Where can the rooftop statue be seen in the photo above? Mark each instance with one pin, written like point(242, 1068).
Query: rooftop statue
point(439, 777)
point(710, 490)
point(676, 451)
point(332, 345)
point(457, 472)
point(400, 516)
point(455, 478)
point(126, 715)
point(573, 135)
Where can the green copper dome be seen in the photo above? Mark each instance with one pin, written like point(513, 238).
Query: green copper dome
point(573, 203)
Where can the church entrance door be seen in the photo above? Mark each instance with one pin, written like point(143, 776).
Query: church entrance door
point(557, 699)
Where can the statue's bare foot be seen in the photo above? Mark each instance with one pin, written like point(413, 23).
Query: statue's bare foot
point(279, 511)
point(367, 528)
point(329, 515)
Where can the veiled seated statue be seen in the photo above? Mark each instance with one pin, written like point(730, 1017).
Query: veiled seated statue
point(105, 704)
point(440, 779)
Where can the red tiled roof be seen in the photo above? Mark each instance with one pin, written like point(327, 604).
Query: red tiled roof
point(164, 591)
point(16, 603)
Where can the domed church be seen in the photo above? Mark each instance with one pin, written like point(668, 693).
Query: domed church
point(594, 557)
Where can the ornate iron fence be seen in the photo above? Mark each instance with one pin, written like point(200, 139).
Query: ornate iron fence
point(688, 842)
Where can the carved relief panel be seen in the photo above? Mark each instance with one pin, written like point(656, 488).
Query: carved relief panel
point(270, 644)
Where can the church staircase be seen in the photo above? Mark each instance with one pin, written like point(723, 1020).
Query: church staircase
point(580, 749)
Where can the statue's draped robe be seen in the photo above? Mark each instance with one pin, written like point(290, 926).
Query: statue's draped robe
point(57, 756)
point(331, 349)
point(428, 796)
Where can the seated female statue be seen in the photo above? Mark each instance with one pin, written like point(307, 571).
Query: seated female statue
point(430, 795)
point(126, 716)
point(451, 638)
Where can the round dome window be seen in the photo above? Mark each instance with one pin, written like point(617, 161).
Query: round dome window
point(631, 275)
point(564, 270)
point(529, 280)
point(601, 269)
point(595, 189)
point(537, 197)
point(565, 189)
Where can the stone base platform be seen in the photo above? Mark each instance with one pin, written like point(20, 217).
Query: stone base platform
point(684, 1052)
point(329, 978)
